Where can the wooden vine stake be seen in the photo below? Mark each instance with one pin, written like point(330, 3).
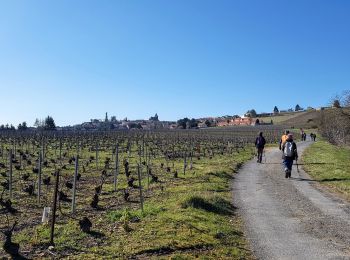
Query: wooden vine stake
point(39, 176)
point(116, 167)
point(54, 208)
point(148, 168)
point(75, 180)
point(185, 163)
point(140, 186)
point(191, 160)
point(97, 148)
point(10, 174)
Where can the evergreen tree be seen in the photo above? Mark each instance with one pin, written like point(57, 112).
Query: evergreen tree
point(297, 108)
point(49, 123)
point(336, 103)
point(22, 126)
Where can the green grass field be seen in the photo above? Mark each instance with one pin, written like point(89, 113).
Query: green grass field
point(329, 165)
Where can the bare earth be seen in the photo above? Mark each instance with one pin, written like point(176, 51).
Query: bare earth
point(290, 218)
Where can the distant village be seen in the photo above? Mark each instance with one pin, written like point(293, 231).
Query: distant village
point(154, 123)
point(250, 118)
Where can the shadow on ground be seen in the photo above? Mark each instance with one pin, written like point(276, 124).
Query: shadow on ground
point(216, 205)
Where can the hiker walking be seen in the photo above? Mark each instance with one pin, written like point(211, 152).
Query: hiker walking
point(302, 134)
point(283, 138)
point(312, 136)
point(290, 153)
point(260, 144)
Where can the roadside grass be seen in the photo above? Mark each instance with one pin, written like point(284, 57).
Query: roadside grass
point(183, 218)
point(329, 165)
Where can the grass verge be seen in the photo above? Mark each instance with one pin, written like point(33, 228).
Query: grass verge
point(329, 165)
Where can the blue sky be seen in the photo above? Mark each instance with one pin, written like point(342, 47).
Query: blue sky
point(76, 60)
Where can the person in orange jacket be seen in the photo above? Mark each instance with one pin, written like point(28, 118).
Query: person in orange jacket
point(290, 153)
point(283, 139)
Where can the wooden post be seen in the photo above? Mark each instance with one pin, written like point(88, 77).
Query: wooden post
point(42, 150)
point(60, 151)
point(20, 158)
point(116, 167)
point(10, 174)
point(39, 176)
point(148, 181)
point(75, 182)
point(191, 160)
point(185, 163)
point(97, 155)
point(54, 207)
point(140, 186)
point(148, 158)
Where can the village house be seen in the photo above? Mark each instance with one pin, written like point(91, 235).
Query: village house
point(235, 121)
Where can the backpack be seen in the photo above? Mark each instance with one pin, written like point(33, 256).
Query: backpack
point(260, 142)
point(288, 149)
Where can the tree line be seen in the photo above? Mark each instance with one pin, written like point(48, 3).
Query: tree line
point(41, 124)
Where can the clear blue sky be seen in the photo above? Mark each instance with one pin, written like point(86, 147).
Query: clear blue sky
point(76, 60)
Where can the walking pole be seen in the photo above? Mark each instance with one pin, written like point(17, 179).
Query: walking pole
point(265, 155)
point(296, 161)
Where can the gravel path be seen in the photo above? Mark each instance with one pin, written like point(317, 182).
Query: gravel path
point(290, 218)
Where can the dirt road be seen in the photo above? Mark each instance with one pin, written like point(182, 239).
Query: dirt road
point(290, 218)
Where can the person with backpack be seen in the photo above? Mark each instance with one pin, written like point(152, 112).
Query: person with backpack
point(260, 144)
point(290, 154)
point(283, 139)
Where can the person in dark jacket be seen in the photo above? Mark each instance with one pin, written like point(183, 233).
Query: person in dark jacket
point(290, 154)
point(260, 144)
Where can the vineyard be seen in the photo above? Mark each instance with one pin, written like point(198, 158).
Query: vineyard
point(106, 191)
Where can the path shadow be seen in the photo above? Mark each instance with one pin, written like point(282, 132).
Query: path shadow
point(222, 174)
point(314, 163)
point(304, 179)
point(335, 179)
point(215, 205)
point(323, 180)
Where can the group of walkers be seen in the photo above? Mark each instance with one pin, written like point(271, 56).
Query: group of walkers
point(303, 135)
point(286, 145)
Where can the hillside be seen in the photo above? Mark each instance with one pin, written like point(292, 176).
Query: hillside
point(305, 119)
point(308, 119)
point(277, 119)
